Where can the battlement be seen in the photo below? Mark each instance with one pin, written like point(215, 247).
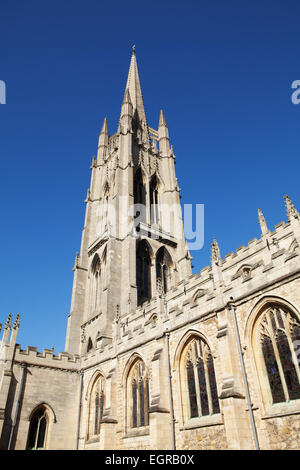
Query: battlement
point(47, 358)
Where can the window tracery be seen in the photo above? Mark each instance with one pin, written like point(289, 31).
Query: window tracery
point(138, 395)
point(279, 337)
point(96, 407)
point(38, 429)
point(199, 377)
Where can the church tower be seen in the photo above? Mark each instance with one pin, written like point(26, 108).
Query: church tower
point(133, 248)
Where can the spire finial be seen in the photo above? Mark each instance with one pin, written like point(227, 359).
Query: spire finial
point(134, 86)
point(290, 208)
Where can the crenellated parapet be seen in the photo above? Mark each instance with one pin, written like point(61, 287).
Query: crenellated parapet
point(31, 356)
point(273, 255)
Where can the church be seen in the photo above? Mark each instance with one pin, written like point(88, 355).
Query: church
point(156, 357)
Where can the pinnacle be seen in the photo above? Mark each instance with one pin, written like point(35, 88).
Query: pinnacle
point(262, 222)
point(260, 214)
point(17, 322)
point(8, 321)
point(290, 208)
point(162, 121)
point(104, 129)
point(215, 251)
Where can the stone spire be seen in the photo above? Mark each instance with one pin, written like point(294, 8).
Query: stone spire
point(291, 209)
point(134, 87)
point(262, 222)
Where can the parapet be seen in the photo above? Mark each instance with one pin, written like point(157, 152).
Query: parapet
point(47, 358)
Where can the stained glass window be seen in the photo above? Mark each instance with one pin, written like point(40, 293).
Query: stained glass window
point(96, 407)
point(200, 378)
point(139, 392)
point(279, 329)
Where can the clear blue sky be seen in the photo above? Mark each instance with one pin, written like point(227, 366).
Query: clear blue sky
point(220, 70)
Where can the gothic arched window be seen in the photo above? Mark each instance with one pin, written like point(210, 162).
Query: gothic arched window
point(154, 213)
point(38, 429)
point(95, 284)
point(138, 395)
point(139, 196)
point(96, 407)
point(278, 336)
point(198, 380)
point(143, 271)
point(163, 268)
